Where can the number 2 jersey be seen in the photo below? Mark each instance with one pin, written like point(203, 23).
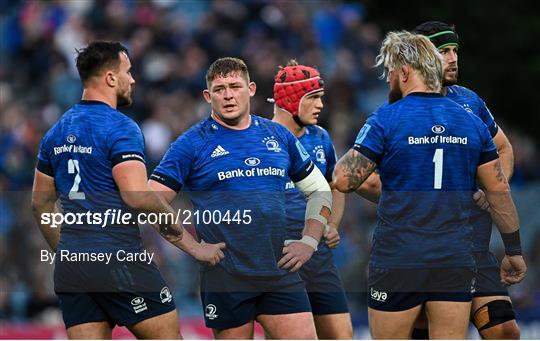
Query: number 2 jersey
point(79, 151)
point(427, 149)
point(243, 172)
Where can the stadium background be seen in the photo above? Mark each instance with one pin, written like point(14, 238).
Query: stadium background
point(171, 45)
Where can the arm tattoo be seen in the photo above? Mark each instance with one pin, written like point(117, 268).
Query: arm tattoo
point(356, 168)
point(499, 172)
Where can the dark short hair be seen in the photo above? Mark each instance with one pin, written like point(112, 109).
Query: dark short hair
point(441, 34)
point(431, 27)
point(226, 66)
point(97, 56)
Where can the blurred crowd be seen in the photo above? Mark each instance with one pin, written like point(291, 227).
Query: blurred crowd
point(171, 44)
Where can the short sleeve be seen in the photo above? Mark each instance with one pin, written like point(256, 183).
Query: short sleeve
point(486, 117)
point(125, 141)
point(370, 139)
point(174, 168)
point(331, 160)
point(301, 164)
point(43, 160)
point(488, 149)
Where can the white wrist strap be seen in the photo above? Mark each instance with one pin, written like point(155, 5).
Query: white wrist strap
point(309, 241)
point(326, 229)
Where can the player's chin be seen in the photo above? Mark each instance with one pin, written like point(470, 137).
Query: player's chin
point(124, 101)
point(450, 80)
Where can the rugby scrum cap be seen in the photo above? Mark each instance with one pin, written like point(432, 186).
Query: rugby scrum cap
point(440, 34)
point(293, 83)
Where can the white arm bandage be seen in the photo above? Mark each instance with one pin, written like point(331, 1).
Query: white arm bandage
point(318, 194)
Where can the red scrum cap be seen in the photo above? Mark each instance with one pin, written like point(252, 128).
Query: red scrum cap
point(294, 82)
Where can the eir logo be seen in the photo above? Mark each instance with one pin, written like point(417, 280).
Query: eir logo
point(380, 296)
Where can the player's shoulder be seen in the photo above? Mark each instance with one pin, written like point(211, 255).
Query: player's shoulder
point(197, 135)
point(317, 132)
point(265, 123)
point(459, 90)
point(267, 126)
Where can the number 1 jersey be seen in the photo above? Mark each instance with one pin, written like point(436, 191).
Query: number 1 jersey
point(427, 149)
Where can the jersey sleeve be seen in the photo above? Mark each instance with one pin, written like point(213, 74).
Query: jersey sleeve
point(43, 160)
point(125, 142)
point(370, 139)
point(331, 160)
point(175, 166)
point(301, 164)
point(488, 149)
point(486, 117)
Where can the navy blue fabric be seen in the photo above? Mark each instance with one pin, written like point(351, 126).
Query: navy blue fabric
point(416, 216)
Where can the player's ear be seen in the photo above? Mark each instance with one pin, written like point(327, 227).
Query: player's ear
point(404, 72)
point(252, 89)
point(110, 79)
point(206, 95)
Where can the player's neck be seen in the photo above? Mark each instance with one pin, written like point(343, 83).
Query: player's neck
point(444, 90)
point(243, 122)
point(90, 94)
point(419, 87)
point(286, 120)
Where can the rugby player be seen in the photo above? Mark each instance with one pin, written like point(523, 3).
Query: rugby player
point(429, 152)
point(298, 92)
point(93, 160)
point(492, 312)
point(237, 164)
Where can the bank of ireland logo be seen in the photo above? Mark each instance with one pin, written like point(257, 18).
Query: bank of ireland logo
point(211, 312)
point(438, 129)
point(272, 144)
point(138, 304)
point(252, 161)
point(320, 156)
point(165, 295)
point(71, 138)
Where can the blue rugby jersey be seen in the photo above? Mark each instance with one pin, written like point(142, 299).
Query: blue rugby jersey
point(79, 151)
point(318, 144)
point(473, 104)
point(238, 170)
point(427, 149)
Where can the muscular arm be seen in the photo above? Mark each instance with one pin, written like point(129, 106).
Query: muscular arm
point(318, 210)
point(130, 177)
point(503, 212)
point(352, 170)
point(210, 253)
point(371, 188)
point(492, 179)
point(43, 200)
point(506, 153)
point(338, 206)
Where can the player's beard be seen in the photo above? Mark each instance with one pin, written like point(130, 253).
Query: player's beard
point(395, 94)
point(124, 99)
point(450, 81)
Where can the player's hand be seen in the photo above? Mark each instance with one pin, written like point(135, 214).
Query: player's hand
point(481, 200)
point(295, 255)
point(331, 236)
point(513, 269)
point(209, 253)
point(172, 232)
